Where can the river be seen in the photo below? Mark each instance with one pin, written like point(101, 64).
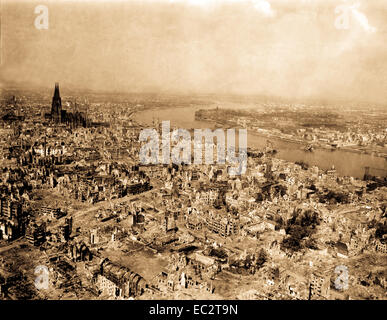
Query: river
point(346, 163)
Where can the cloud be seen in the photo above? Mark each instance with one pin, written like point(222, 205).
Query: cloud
point(261, 6)
point(216, 46)
point(361, 19)
point(264, 7)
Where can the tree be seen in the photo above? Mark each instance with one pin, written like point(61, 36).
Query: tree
point(381, 229)
point(311, 244)
point(298, 232)
point(309, 218)
point(261, 259)
point(291, 243)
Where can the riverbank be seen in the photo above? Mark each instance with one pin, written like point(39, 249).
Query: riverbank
point(322, 147)
point(302, 143)
point(348, 162)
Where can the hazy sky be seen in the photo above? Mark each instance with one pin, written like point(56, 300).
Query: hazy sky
point(289, 48)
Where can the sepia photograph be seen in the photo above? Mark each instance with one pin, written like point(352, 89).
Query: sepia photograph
point(217, 151)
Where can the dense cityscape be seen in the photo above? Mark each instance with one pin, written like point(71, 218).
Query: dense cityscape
point(193, 159)
point(82, 214)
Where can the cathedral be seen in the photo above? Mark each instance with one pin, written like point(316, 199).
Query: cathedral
point(56, 107)
point(59, 115)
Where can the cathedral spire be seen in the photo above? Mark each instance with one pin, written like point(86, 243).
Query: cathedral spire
point(56, 92)
point(56, 107)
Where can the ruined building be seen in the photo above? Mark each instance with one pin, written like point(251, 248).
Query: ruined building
point(12, 219)
point(119, 282)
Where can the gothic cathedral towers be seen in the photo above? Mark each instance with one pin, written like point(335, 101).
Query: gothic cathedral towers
point(56, 107)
